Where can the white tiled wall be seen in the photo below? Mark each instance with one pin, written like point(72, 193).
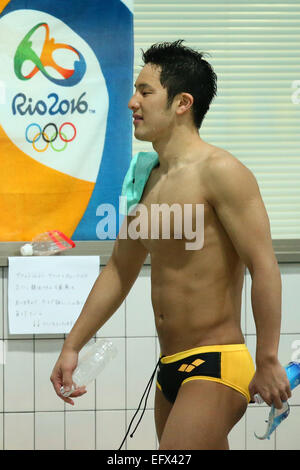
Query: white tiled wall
point(33, 417)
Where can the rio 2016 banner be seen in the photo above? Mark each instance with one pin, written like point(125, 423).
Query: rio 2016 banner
point(66, 71)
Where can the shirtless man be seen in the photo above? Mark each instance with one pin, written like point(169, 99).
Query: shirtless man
point(206, 376)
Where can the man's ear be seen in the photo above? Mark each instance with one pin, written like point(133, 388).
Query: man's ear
point(185, 102)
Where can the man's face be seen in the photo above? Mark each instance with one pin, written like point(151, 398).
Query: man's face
point(152, 117)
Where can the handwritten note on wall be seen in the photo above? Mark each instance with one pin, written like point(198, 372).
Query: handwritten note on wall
point(46, 294)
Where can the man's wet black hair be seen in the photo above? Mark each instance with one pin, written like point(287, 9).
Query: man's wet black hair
point(184, 70)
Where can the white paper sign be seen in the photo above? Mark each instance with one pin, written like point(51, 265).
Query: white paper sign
point(46, 294)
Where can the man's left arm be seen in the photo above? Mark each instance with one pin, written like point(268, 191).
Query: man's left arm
point(235, 196)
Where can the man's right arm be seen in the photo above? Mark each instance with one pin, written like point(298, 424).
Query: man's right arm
point(109, 291)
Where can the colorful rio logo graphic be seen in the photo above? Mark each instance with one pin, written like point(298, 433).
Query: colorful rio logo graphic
point(22, 105)
point(25, 52)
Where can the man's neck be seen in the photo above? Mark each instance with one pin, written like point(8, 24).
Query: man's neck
point(178, 149)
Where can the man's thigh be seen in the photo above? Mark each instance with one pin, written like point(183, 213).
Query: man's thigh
point(202, 416)
point(162, 410)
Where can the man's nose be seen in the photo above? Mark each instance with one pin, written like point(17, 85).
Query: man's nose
point(133, 103)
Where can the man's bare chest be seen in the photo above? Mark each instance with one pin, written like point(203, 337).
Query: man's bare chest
point(180, 187)
point(172, 208)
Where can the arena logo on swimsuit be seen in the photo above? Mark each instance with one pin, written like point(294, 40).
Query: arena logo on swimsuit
point(184, 217)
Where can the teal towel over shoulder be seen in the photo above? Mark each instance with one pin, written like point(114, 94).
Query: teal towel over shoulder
point(136, 178)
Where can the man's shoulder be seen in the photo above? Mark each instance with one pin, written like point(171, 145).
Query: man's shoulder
point(218, 157)
point(222, 171)
point(221, 163)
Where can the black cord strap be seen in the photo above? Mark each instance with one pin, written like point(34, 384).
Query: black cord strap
point(146, 392)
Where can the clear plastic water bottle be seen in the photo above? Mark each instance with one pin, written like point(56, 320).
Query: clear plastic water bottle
point(91, 364)
point(47, 243)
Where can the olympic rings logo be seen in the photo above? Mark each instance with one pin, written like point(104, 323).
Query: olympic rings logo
point(49, 140)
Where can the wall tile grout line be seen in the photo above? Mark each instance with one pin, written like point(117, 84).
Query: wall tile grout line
point(87, 410)
point(114, 409)
point(134, 337)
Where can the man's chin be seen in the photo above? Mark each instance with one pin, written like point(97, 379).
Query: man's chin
point(145, 138)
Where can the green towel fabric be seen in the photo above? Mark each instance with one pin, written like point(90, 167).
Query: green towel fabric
point(136, 178)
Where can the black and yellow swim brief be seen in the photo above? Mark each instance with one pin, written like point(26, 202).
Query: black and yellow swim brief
point(229, 364)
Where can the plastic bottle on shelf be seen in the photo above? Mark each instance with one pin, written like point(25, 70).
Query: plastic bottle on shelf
point(47, 243)
point(91, 364)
